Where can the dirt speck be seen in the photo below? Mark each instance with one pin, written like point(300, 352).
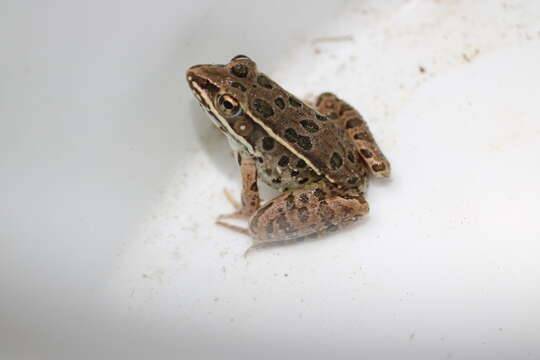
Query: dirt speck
point(421, 69)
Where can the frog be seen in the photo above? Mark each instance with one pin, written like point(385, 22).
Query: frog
point(318, 156)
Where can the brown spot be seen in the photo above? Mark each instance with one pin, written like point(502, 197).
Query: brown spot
point(264, 81)
point(319, 194)
point(254, 187)
point(268, 171)
point(238, 86)
point(422, 69)
point(366, 153)
point(347, 210)
point(329, 104)
point(344, 107)
point(294, 102)
point(360, 136)
point(303, 198)
point(325, 212)
point(310, 125)
point(353, 180)
point(378, 167)
point(336, 161)
point(263, 108)
point(240, 70)
point(354, 122)
point(304, 142)
point(268, 143)
point(276, 181)
point(295, 173)
point(301, 164)
point(291, 135)
point(283, 161)
point(303, 214)
point(283, 223)
point(350, 156)
point(331, 227)
point(239, 159)
point(280, 103)
point(303, 180)
point(290, 202)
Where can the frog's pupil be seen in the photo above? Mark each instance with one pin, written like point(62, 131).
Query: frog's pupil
point(227, 105)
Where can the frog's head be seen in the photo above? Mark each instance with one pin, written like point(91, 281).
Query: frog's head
point(222, 90)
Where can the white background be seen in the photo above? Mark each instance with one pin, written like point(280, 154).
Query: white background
point(111, 178)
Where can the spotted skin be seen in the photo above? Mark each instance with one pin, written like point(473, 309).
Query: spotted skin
point(358, 131)
point(301, 213)
point(318, 155)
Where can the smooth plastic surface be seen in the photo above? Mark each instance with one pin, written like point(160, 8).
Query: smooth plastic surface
point(112, 177)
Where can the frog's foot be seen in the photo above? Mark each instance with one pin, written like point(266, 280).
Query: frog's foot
point(355, 126)
point(235, 228)
point(304, 213)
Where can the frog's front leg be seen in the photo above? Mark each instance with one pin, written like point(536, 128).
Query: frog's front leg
point(302, 213)
point(355, 126)
point(250, 191)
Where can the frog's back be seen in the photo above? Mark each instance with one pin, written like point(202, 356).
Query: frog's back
point(305, 132)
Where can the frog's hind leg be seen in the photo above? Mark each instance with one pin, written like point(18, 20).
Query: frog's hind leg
point(250, 191)
point(355, 126)
point(302, 213)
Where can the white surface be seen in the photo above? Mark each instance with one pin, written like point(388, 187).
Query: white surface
point(112, 178)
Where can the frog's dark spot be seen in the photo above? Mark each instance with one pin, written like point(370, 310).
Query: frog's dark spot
point(360, 136)
point(301, 164)
point(320, 117)
point(332, 116)
point(239, 159)
point(264, 81)
point(366, 153)
point(268, 171)
point(238, 86)
point(240, 70)
point(303, 214)
point(263, 108)
point(295, 173)
point(350, 156)
point(291, 135)
point(304, 142)
point(270, 228)
point(303, 180)
point(344, 107)
point(331, 227)
point(276, 181)
point(283, 161)
point(336, 161)
point(303, 198)
point(268, 143)
point(310, 125)
point(294, 102)
point(354, 122)
point(280, 103)
point(325, 212)
point(378, 167)
point(319, 194)
point(260, 159)
point(290, 202)
point(353, 180)
point(254, 187)
point(283, 223)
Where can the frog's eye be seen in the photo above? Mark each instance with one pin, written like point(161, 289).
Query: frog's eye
point(228, 106)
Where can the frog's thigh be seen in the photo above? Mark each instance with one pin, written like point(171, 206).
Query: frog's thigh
point(300, 213)
point(357, 129)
